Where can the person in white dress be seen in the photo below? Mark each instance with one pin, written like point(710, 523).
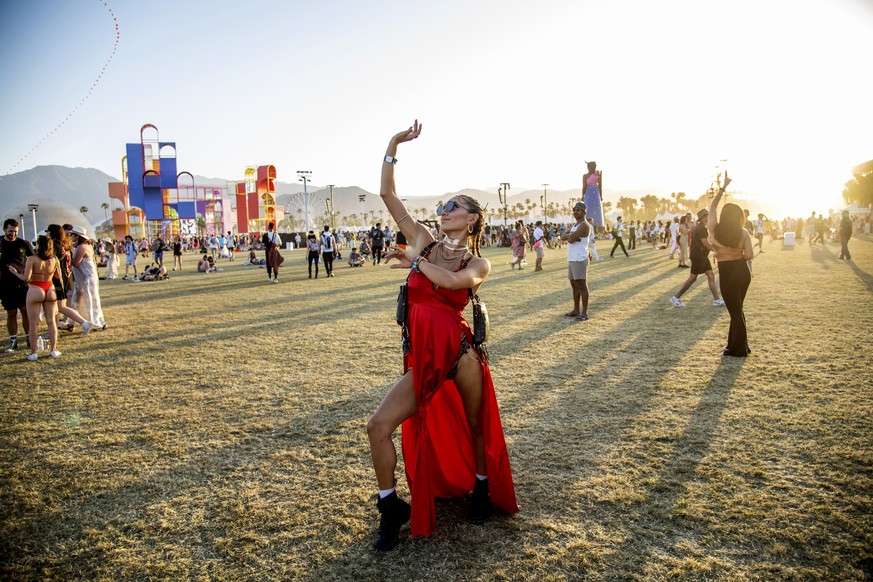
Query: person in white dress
point(87, 284)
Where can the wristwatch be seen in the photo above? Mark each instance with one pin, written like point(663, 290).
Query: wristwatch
point(390, 160)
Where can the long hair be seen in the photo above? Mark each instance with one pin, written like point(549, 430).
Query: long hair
point(44, 248)
point(59, 238)
point(473, 207)
point(729, 229)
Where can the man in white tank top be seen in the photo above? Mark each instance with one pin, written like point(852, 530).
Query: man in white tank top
point(577, 260)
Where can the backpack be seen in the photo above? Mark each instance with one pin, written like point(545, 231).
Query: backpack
point(265, 240)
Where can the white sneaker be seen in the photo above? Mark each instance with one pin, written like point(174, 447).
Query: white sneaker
point(32, 357)
point(86, 328)
point(675, 301)
point(54, 353)
point(269, 279)
point(718, 303)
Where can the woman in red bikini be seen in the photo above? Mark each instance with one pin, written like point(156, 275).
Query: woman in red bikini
point(452, 437)
point(38, 272)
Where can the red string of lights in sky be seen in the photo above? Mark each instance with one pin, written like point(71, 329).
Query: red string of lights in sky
point(72, 112)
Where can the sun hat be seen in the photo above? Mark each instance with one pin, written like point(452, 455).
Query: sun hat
point(80, 230)
point(702, 212)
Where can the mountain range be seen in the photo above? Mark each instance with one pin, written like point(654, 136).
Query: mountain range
point(88, 187)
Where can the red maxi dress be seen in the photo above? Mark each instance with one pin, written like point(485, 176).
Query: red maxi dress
point(437, 445)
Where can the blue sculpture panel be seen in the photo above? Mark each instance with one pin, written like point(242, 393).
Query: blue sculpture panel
point(154, 203)
point(168, 173)
point(186, 210)
point(134, 175)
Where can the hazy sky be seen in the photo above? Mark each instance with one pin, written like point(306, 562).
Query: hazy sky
point(521, 92)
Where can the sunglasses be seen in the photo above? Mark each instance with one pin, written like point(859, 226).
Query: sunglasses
point(448, 207)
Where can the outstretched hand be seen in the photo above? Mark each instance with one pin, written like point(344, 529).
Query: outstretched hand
point(408, 134)
point(404, 258)
point(726, 181)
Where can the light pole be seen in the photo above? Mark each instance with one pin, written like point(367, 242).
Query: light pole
point(330, 209)
point(501, 192)
point(33, 208)
point(544, 201)
point(305, 176)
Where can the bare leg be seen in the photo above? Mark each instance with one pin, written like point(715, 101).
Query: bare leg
point(35, 297)
point(713, 286)
point(469, 382)
point(51, 312)
point(577, 294)
point(584, 295)
point(398, 405)
point(69, 312)
point(12, 322)
point(687, 285)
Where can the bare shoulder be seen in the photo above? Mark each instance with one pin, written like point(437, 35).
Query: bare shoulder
point(481, 264)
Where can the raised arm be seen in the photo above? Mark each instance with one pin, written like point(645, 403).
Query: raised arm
point(712, 219)
point(416, 235)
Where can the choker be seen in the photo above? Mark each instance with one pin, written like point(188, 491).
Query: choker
point(452, 244)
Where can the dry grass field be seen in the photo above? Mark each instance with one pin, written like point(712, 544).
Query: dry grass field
point(216, 430)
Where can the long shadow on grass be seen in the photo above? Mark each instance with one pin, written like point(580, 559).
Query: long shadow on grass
point(37, 541)
point(679, 470)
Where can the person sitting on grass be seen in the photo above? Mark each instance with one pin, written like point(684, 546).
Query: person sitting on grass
point(356, 259)
point(154, 273)
point(206, 264)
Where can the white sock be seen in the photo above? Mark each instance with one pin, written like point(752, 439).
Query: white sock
point(481, 477)
point(383, 493)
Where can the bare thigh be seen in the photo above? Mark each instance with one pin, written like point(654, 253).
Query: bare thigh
point(398, 405)
point(468, 379)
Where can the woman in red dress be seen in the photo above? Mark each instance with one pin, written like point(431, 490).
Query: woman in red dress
point(452, 437)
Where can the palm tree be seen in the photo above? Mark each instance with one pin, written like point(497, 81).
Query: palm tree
point(201, 225)
point(105, 207)
point(650, 206)
point(83, 209)
point(627, 206)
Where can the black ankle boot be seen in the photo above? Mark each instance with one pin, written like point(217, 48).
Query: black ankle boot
point(480, 506)
point(395, 512)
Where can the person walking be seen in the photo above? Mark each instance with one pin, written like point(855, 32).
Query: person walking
point(130, 252)
point(519, 245)
point(577, 260)
point(618, 233)
point(732, 245)
point(177, 253)
point(759, 231)
point(86, 281)
point(313, 247)
point(271, 243)
point(63, 279)
point(538, 244)
point(682, 240)
point(327, 251)
point(158, 248)
point(452, 437)
point(592, 241)
point(13, 291)
point(845, 235)
point(377, 243)
point(632, 229)
point(700, 265)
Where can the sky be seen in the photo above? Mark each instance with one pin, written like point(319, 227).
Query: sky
point(657, 93)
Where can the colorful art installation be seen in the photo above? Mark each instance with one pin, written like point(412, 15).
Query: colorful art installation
point(152, 201)
point(256, 205)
